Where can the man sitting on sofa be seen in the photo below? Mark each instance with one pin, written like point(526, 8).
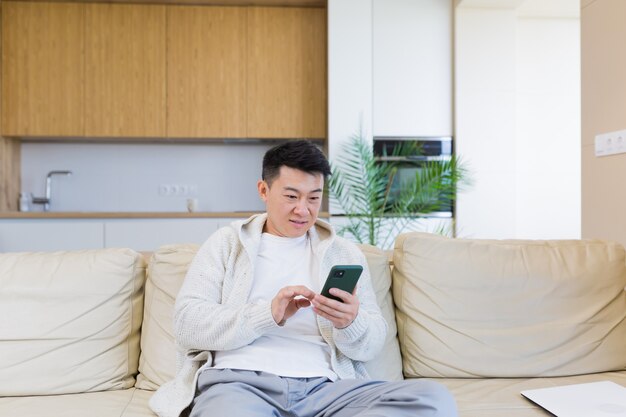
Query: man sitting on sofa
point(255, 337)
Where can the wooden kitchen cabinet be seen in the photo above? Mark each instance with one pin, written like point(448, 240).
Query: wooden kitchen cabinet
point(125, 70)
point(113, 70)
point(10, 155)
point(206, 64)
point(256, 72)
point(42, 69)
point(286, 72)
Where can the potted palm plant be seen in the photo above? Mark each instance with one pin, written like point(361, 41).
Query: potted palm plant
point(377, 204)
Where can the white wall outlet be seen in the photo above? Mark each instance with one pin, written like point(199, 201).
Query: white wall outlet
point(164, 190)
point(178, 190)
point(610, 143)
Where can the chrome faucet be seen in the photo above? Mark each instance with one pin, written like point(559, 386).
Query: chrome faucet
point(46, 200)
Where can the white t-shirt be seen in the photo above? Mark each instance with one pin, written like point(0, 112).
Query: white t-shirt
point(296, 349)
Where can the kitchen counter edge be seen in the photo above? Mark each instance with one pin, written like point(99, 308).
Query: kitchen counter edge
point(131, 215)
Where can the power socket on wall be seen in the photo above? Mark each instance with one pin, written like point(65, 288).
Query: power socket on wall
point(178, 190)
point(610, 143)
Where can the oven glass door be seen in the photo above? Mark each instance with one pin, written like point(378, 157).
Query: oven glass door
point(427, 150)
point(443, 207)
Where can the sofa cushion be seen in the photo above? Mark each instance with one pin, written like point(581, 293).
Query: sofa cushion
point(69, 321)
point(166, 272)
point(120, 403)
point(511, 308)
point(388, 364)
point(500, 397)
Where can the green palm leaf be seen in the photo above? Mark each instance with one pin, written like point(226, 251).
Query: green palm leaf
point(363, 187)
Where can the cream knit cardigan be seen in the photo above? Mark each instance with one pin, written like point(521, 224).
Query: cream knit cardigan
point(212, 313)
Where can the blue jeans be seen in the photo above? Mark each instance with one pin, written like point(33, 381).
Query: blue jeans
point(227, 393)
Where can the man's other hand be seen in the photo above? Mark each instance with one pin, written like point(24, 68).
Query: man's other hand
point(289, 300)
point(340, 314)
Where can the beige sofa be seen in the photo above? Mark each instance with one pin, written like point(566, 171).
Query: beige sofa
point(88, 333)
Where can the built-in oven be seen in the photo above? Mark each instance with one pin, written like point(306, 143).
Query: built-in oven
point(423, 151)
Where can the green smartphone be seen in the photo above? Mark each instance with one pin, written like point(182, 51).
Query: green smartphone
point(343, 277)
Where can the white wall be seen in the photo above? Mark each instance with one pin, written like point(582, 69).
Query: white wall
point(548, 165)
point(485, 120)
point(126, 177)
point(518, 119)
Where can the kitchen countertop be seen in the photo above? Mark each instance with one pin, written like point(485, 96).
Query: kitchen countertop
point(129, 215)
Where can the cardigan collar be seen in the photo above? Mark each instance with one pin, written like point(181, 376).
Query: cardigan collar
point(251, 229)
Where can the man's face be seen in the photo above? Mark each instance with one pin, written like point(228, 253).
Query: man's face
point(292, 202)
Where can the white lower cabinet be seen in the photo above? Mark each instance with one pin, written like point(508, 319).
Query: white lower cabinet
point(31, 235)
point(150, 234)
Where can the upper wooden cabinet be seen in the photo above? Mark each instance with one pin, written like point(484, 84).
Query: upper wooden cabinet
point(238, 72)
point(125, 70)
point(156, 71)
point(76, 69)
point(42, 69)
point(206, 94)
point(286, 73)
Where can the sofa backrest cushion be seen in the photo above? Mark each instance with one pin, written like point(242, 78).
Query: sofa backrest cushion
point(511, 308)
point(387, 365)
point(166, 272)
point(69, 321)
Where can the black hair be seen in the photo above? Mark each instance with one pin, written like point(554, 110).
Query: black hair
point(297, 154)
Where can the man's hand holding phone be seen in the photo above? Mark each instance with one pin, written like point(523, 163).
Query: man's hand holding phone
point(338, 302)
point(340, 313)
